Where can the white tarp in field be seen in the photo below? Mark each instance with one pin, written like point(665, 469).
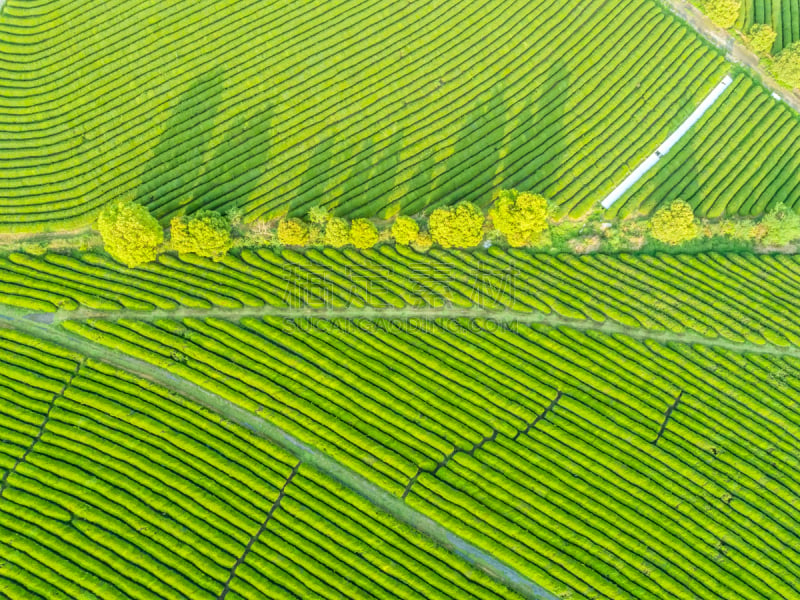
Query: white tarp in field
point(651, 160)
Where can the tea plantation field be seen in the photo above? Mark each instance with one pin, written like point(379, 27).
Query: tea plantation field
point(370, 108)
point(594, 464)
point(115, 487)
point(559, 421)
point(741, 159)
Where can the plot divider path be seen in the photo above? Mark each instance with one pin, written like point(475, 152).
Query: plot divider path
point(379, 497)
point(275, 506)
point(496, 317)
point(667, 415)
point(42, 427)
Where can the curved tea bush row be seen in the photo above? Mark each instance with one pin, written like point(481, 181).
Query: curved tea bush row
point(583, 501)
point(275, 106)
point(128, 490)
point(327, 542)
point(741, 159)
point(739, 297)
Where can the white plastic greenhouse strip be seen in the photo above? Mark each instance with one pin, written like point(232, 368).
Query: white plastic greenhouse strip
point(651, 160)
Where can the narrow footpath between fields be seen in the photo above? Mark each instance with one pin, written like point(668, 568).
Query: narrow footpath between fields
point(735, 52)
point(494, 318)
point(377, 496)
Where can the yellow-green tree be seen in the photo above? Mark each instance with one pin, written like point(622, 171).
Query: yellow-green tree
point(405, 230)
point(337, 232)
point(423, 242)
point(205, 233)
point(520, 217)
point(674, 224)
point(292, 232)
point(363, 234)
point(762, 38)
point(781, 225)
point(131, 235)
point(723, 12)
point(786, 66)
point(459, 226)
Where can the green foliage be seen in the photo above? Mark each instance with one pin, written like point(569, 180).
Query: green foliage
point(292, 232)
point(206, 233)
point(405, 230)
point(520, 217)
point(423, 242)
point(337, 232)
point(674, 224)
point(782, 226)
point(318, 215)
point(786, 66)
point(363, 234)
point(762, 38)
point(459, 226)
point(131, 235)
point(723, 13)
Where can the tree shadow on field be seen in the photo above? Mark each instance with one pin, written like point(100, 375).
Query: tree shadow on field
point(312, 187)
point(468, 172)
point(538, 140)
point(177, 158)
point(363, 194)
point(238, 163)
point(186, 173)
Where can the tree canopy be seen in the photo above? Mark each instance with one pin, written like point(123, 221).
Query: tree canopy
point(520, 217)
point(459, 226)
point(131, 235)
point(674, 224)
point(205, 233)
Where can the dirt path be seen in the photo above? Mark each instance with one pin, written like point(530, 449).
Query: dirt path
point(495, 318)
point(377, 496)
point(735, 52)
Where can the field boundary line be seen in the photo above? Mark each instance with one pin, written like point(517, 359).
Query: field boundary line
point(443, 463)
point(735, 51)
point(667, 415)
point(665, 147)
point(275, 506)
point(377, 496)
point(42, 427)
point(497, 318)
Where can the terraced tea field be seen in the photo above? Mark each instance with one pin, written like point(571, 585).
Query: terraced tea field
point(389, 423)
point(740, 298)
point(372, 108)
point(715, 171)
point(597, 463)
point(115, 487)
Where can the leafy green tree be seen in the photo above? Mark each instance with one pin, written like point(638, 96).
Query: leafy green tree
point(762, 38)
point(459, 226)
point(205, 233)
point(292, 232)
point(318, 215)
point(363, 234)
point(782, 226)
point(674, 224)
point(786, 66)
point(423, 242)
point(337, 232)
point(131, 235)
point(520, 217)
point(405, 230)
point(723, 13)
